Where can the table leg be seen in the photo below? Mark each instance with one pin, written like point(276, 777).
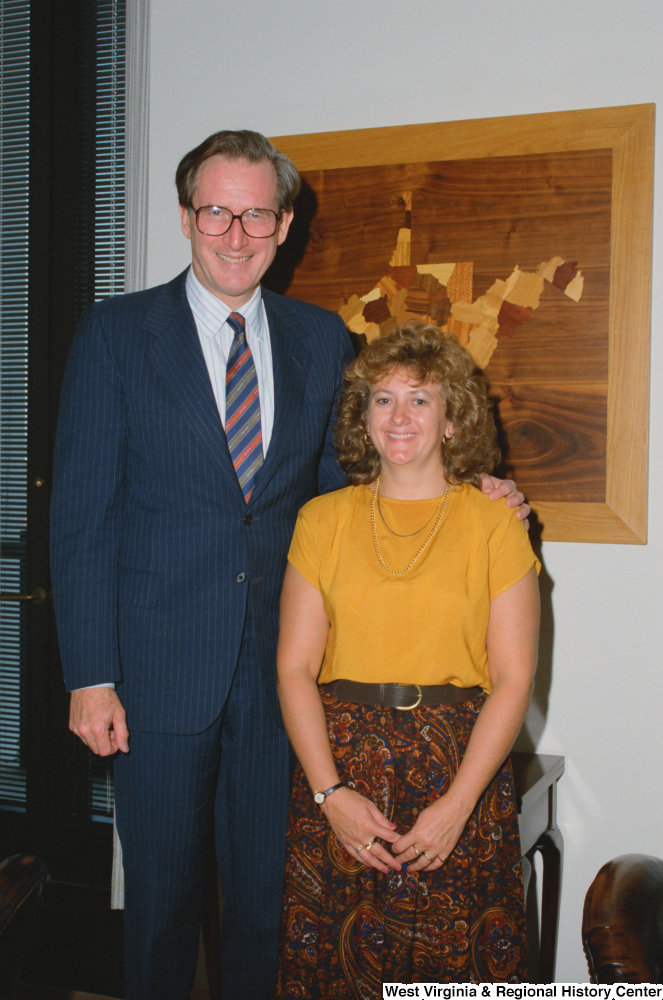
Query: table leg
point(531, 916)
point(551, 846)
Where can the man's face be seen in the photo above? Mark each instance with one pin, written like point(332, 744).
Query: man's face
point(231, 266)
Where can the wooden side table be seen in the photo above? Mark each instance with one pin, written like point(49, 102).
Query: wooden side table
point(536, 777)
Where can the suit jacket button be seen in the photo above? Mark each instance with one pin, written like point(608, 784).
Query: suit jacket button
point(248, 519)
point(241, 577)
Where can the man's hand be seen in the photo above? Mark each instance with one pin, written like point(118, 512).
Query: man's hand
point(496, 488)
point(97, 717)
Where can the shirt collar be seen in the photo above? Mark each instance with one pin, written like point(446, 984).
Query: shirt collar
point(211, 313)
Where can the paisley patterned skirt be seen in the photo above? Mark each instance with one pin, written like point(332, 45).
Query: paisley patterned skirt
point(346, 929)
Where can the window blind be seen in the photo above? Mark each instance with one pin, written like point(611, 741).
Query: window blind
point(109, 226)
point(101, 273)
point(14, 163)
point(109, 149)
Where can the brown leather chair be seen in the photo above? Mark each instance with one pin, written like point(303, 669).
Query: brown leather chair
point(622, 923)
point(21, 880)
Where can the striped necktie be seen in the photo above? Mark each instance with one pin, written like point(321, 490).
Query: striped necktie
point(243, 427)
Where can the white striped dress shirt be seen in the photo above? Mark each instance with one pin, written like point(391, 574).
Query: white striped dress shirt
point(216, 338)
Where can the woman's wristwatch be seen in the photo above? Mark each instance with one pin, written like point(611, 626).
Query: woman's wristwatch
point(320, 797)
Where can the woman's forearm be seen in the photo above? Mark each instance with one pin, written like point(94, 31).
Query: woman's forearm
point(302, 640)
point(437, 829)
point(512, 643)
point(355, 820)
point(305, 723)
point(495, 730)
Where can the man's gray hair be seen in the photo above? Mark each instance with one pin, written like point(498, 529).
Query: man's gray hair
point(242, 145)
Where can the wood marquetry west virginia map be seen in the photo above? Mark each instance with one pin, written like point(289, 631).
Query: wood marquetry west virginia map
point(512, 255)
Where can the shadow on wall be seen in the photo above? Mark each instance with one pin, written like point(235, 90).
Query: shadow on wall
point(528, 738)
point(530, 734)
point(290, 254)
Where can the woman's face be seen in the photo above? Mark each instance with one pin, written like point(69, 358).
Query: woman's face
point(408, 422)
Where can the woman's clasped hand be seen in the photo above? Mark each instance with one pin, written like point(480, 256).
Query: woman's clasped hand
point(358, 823)
point(428, 844)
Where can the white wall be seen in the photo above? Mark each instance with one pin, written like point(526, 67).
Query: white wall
point(291, 66)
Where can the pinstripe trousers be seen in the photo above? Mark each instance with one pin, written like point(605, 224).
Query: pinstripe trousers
point(167, 789)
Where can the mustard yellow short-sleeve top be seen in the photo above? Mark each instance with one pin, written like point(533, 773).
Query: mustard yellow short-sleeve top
point(429, 625)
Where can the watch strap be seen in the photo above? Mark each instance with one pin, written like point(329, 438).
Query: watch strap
point(326, 793)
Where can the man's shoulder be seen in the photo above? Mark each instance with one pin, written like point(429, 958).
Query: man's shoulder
point(140, 304)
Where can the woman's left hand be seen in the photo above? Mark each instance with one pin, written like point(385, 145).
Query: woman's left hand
point(428, 844)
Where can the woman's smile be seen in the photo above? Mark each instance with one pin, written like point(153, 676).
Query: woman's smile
point(407, 422)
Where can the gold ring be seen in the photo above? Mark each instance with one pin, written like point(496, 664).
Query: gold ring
point(418, 853)
point(368, 846)
point(428, 856)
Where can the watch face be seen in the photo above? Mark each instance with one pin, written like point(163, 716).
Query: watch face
point(319, 797)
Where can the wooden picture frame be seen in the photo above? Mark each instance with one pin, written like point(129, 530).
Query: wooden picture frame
point(628, 132)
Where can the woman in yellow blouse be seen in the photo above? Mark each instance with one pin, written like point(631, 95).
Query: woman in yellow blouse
point(409, 626)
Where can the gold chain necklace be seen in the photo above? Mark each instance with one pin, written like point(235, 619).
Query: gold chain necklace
point(412, 533)
point(440, 515)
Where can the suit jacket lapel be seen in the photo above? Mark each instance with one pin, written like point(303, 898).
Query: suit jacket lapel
point(178, 358)
point(290, 360)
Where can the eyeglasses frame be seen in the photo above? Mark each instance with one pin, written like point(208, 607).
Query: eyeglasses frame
point(277, 216)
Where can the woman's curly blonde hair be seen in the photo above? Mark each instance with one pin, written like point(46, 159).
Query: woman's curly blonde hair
point(427, 355)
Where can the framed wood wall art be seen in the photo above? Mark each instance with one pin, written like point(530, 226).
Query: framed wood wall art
point(530, 238)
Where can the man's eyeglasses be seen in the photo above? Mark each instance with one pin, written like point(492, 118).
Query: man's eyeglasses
point(213, 220)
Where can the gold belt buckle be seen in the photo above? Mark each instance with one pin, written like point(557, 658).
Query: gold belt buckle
point(410, 708)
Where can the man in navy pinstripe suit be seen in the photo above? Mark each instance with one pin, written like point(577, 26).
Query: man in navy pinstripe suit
point(195, 421)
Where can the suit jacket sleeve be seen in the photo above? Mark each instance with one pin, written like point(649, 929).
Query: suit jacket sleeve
point(330, 476)
point(86, 508)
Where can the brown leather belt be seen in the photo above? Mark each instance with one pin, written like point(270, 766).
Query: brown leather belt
point(404, 697)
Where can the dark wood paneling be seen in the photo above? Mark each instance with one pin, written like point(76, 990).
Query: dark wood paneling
point(555, 438)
